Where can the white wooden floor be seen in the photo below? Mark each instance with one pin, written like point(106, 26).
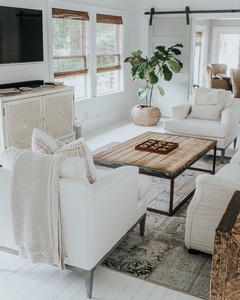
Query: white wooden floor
point(20, 279)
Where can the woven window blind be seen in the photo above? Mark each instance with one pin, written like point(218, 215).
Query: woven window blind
point(69, 42)
point(108, 42)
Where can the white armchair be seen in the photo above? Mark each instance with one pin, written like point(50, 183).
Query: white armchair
point(95, 217)
point(209, 202)
point(208, 114)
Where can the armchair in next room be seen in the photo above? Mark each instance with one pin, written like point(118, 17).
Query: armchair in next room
point(209, 114)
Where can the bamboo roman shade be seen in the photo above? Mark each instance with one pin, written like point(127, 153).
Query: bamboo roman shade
point(69, 42)
point(70, 14)
point(108, 42)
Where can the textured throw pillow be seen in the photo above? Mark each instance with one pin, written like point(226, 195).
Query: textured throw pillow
point(206, 112)
point(205, 96)
point(80, 148)
point(44, 143)
point(74, 168)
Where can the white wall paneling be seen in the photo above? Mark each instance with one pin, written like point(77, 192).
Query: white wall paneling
point(168, 32)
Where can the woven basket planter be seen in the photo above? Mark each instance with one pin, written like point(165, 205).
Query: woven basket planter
point(145, 116)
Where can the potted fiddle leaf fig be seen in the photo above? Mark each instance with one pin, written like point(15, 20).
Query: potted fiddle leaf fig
point(162, 64)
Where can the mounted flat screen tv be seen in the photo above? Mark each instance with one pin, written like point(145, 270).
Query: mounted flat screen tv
point(21, 35)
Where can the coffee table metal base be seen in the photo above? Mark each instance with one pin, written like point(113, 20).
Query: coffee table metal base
point(173, 209)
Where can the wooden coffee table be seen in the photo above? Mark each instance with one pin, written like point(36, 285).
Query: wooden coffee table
point(168, 166)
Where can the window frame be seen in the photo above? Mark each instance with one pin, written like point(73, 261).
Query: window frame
point(90, 79)
point(74, 15)
point(120, 69)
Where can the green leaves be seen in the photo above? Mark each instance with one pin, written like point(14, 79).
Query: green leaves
point(163, 63)
point(161, 90)
point(143, 92)
point(174, 65)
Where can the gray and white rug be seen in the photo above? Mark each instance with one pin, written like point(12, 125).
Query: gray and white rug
point(160, 256)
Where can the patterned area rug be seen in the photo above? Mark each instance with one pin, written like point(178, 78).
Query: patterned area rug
point(160, 256)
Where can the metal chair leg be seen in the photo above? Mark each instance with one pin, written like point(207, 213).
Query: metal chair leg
point(222, 155)
point(142, 225)
point(235, 143)
point(88, 276)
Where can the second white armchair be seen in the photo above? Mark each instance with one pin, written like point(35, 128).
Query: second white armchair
point(208, 114)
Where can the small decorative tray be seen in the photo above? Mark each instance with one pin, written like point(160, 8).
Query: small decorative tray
point(157, 146)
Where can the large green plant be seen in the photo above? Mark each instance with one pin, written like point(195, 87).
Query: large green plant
point(162, 64)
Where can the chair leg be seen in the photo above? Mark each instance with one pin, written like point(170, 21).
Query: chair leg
point(222, 155)
point(235, 143)
point(88, 277)
point(142, 225)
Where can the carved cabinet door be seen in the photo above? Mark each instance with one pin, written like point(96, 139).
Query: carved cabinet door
point(20, 118)
point(58, 114)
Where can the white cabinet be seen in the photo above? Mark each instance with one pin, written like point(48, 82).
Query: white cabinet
point(47, 108)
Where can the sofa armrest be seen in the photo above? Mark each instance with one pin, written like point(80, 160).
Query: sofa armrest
point(230, 115)
point(230, 119)
point(115, 176)
point(205, 210)
point(181, 111)
point(93, 213)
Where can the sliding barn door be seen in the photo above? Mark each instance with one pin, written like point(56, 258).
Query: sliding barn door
point(168, 31)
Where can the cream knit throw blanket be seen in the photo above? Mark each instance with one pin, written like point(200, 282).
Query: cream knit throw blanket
point(36, 214)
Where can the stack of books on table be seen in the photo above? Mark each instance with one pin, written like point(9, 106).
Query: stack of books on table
point(9, 92)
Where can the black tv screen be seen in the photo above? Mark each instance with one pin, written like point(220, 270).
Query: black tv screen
point(21, 35)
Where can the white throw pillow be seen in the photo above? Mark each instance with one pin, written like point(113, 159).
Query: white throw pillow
point(80, 148)
point(205, 96)
point(206, 112)
point(74, 168)
point(44, 143)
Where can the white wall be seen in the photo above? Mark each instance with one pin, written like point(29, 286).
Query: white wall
point(94, 112)
point(102, 111)
point(180, 5)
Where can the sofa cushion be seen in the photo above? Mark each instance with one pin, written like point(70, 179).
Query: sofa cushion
point(208, 96)
point(80, 148)
point(71, 168)
point(205, 96)
point(206, 112)
point(44, 143)
point(196, 127)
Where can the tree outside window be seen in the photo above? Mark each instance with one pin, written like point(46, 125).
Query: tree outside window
point(108, 47)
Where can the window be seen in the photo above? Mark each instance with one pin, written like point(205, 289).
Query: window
point(70, 48)
point(99, 73)
point(229, 50)
point(226, 45)
point(108, 47)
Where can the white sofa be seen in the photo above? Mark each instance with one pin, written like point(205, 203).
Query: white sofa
point(208, 114)
point(209, 202)
point(95, 217)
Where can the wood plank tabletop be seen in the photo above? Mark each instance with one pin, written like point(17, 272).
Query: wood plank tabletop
point(189, 150)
